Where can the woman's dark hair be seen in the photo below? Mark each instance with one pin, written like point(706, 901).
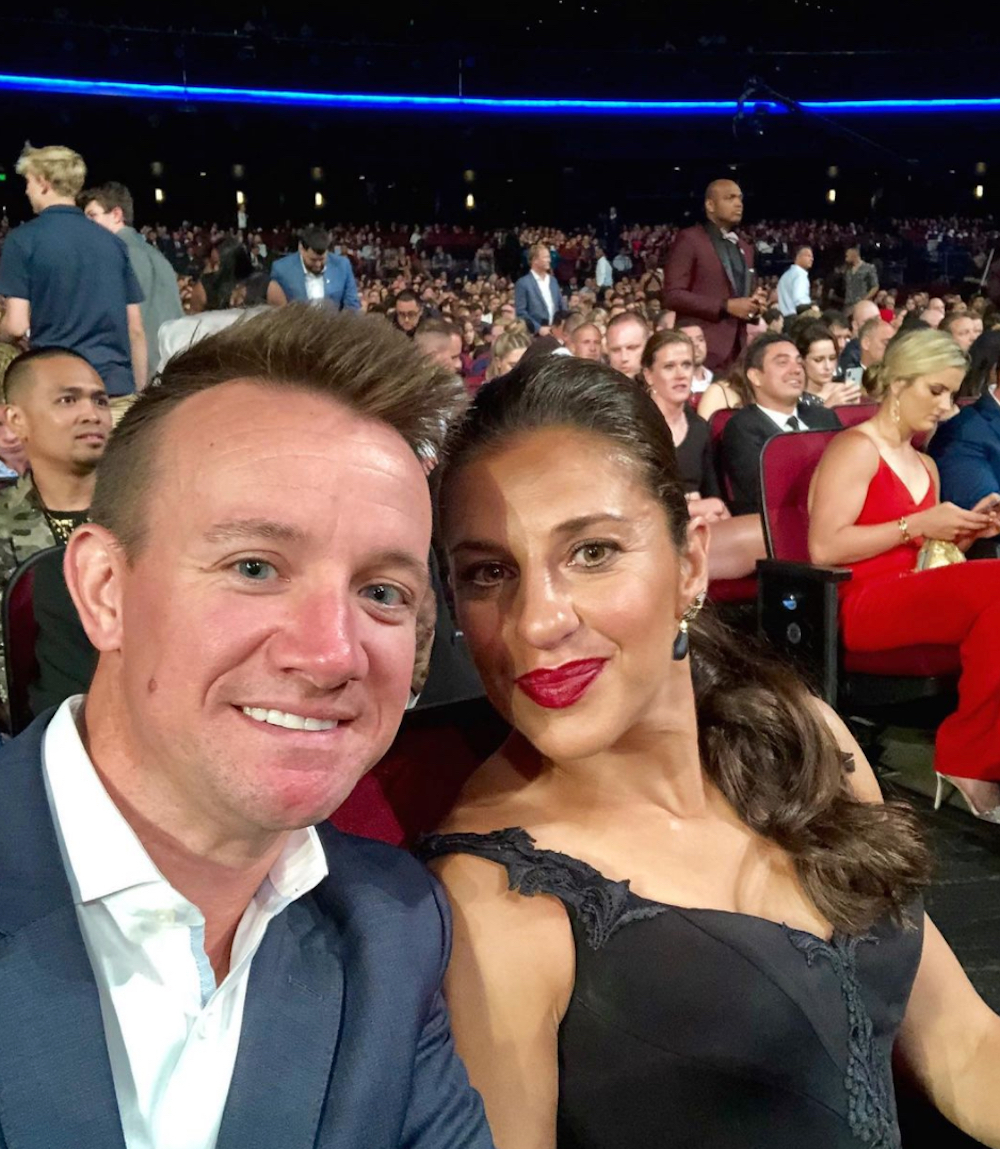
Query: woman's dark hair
point(809, 333)
point(763, 740)
point(985, 358)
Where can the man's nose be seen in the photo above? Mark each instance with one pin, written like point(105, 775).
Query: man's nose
point(321, 639)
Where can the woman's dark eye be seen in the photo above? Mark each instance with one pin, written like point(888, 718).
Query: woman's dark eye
point(593, 554)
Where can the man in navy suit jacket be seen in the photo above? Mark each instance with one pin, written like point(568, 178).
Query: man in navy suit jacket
point(189, 955)
point(313, 274)
point(967, 451)
point(537, 297)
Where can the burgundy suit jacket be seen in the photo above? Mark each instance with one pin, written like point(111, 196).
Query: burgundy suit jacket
point(696, 285)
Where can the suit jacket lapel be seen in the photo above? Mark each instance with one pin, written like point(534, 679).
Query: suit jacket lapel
point(56, 1087)
point(719, 245)
point(291, 1027)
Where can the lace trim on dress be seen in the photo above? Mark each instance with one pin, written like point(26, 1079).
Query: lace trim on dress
point(599, 904)
point(868, 1075)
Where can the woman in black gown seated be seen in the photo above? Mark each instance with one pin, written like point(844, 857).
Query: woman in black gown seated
point(682, 916)
point(668, 372)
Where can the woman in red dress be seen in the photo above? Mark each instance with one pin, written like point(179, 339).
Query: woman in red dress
point(875, 499)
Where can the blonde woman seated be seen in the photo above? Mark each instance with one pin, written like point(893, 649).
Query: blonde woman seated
point(682, 916)
point(875, 499)
point(508, 348)
point(668, 365)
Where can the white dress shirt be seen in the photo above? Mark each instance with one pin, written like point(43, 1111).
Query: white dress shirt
point(781, 419)
point(793, 290)
point(171, 1034)
point(315, 284)
point(543, 287)
point(603, 274)
point(701, 380)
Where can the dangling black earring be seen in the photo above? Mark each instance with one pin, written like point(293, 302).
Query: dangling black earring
point(682, 643)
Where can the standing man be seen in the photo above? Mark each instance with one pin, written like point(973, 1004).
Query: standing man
point(537, 297)
point(313, 274)
point(793, 286)
point(195, 957)
point(69, 283)
point(708, 278)
point(112, 207)
point(860, 279)
point(603, 274)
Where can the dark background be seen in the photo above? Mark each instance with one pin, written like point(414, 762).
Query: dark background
point(560, 170)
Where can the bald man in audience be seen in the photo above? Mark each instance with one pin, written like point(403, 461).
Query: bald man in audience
point(585, 342)
point(441, 342)
point(624, 341)
point(863, 311)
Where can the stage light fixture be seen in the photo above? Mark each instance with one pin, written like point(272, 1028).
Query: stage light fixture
point(318, 199)
point(831, 195)
point(158, 195)
point(240, 199)
point(979, 191)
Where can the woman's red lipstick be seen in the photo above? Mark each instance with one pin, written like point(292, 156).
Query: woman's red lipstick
point(561, 686)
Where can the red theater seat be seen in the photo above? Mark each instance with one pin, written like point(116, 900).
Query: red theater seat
point(17, 618)
point(415, 785)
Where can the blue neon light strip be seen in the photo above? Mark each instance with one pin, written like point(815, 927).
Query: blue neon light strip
point(195, 94)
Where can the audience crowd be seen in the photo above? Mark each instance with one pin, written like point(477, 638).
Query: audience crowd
point(646, 364)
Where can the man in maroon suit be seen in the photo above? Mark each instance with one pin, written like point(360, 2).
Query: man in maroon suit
point(708, 278)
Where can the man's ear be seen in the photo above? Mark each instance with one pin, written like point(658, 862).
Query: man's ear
point(14, 418)
point(94, 568)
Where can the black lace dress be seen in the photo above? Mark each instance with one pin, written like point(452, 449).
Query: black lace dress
point(703, 1029)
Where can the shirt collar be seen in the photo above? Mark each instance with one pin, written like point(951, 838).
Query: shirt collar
point(780, 417)
point(102, 853)
point(315, 274)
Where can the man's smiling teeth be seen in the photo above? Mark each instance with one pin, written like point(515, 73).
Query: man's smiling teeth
point(288, 721)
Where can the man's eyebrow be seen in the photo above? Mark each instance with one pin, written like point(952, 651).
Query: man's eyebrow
point(236, 530)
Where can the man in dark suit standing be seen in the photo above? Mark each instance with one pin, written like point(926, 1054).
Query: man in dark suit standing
point(192, 956)
point(774, 370)
point(537, 297)
point(709, 278)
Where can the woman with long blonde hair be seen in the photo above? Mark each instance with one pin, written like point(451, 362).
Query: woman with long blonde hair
point(874, 504)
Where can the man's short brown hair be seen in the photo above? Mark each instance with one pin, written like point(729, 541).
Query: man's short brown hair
point(358, 361)
point(110, 196)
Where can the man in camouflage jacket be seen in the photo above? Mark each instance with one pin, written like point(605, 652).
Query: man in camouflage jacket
point(57, 405)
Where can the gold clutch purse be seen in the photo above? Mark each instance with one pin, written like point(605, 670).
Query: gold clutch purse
point(937, 553)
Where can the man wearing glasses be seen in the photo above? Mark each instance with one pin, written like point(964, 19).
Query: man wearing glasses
point(312, 274)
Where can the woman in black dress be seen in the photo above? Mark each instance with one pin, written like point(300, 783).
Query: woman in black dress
point(682, 916)
point(668, 372)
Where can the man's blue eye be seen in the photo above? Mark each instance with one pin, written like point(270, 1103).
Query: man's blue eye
point(384, 595)
point(256, 570)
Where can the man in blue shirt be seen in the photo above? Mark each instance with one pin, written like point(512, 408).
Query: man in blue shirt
point(793, 286)
point(69, 283)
